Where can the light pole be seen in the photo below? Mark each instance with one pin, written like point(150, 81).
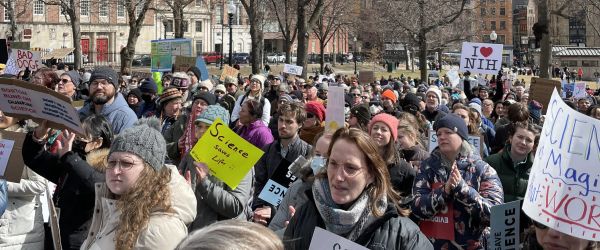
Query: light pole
point(354, 56)
point(222, 42)
point(165, 23)
point(231, 9)
point(493, 37)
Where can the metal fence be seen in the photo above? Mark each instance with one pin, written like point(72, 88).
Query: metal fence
point(92, 59)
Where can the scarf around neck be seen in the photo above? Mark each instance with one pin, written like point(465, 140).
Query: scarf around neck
point(348, 223)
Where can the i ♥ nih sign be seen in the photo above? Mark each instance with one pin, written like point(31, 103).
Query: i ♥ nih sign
point(481, 58)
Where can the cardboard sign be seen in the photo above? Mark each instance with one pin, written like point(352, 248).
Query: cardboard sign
point(228, 71)
point(29, 101)
point(27, 59)
point(228, 155)
point(440, 226)
point(278, 184)
point(335, 109)
point(453, 77)
point(19, 45)
point(292, 69)
point(476, 141)
point(57, 53)
point(366, 76)
point(325, 240)
point(434, 74)
point(562, 191)
point(141, 75)
point(482, 58)
point(11, 159)
point(183, 63)
point(504, 226)
point(541, 90)
point(54, 229)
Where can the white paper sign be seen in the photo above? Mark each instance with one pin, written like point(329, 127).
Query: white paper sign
point(563, 191)
point(579, 90)
point(504, 225)
point(325, 240)
point(27, 59)
point(335, 109)
point(481, 80)
point(321, 77)
point(44, 200)
point(272, 193)
point(476, 141)
point(6, 147)
point(11, 68)
point(292, 69)
point(513, 76)
point(482, 58)
point(453, 77)
point(433, 74)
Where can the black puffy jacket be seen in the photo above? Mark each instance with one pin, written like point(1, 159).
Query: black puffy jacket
point(402, 176)
point(390, 231)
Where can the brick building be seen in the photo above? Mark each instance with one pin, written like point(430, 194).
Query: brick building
point(496, 15)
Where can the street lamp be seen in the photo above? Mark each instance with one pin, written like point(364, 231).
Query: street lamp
point(493, 36)
point(231, 9)
point(165, 22)
point(222, 43)
point(354, 56)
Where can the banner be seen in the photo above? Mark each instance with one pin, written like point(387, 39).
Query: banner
point(504, 226)
point(228, 71)
point(325, 240)
point(183, 63)
point(27, 59)
point(200, 64)
point(163, 52)
point(228, 155)
point(563, 190)
point(541, 90)
point(292, 69)
point(11, 158)
point(336, 116)
point(57, 53)
point(476, 141)
point(29, 101)
point(482, 58)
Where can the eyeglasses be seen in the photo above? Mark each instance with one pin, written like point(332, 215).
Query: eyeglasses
point(283, 101)
point(37, 78)
point(132, 81)
point(310, 115)
point(487, 105)
point(349, 171)
point(539, 225)
point(125, 163)
point(95, 83)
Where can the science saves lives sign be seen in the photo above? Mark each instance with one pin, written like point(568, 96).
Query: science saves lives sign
point(564, 190)
point(484, 58)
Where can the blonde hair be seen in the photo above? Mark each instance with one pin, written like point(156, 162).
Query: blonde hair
point(232, 234)
point(407, 124)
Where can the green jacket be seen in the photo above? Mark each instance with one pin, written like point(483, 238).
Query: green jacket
point(514, 180)
point(171, 136)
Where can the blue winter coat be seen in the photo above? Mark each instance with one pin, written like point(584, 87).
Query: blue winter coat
point(477, 192)
point(118, 113)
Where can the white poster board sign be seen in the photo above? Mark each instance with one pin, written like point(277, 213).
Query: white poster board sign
point(11, 67)
point(292, 69)
point(481, 80)
point(476, 141)
point(504, 225)
point(579, 90)
point(6, 147)
point(27, 59)
point(453, 77)
point(335, 109)
point(325, 240)
point(562, 191)
point(481, 58)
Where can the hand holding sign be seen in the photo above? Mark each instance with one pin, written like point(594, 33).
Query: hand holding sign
point(261, 215)
point(66, 143)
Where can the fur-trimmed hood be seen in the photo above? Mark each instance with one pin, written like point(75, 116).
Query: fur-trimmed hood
point(97, 159)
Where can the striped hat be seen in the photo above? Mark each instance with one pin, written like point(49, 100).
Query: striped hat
point(170, 93)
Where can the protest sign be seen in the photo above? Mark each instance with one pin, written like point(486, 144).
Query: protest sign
point(292, 69)
point(11, 159)
point(200, 64)
point(482, 58)
point(366, 76)
point(568, 90)
point(27, 59)
point(228, 71)
point(163, 52)
point(335, 109)
point(19, 45)
point(57, 53)
point(504, 226)
point(30, 101)
point(325, 240)
point(321, 77)
point(278, 183)
point(481, 80)
point(453, 77)
point(433, 74)
point(541, 90)
point(183, 63)
point(579, 89)
point(440, 226)
point(11, 67)
point(476, 141)
point(45, 205)
point(512, 76)
point(228, 155)
point(53, 222)
point(563, 191)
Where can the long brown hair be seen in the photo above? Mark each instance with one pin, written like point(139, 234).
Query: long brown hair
point(472, 126)
point(375, 166)
point(150, 190)
point(49, 77)
point(407, 124)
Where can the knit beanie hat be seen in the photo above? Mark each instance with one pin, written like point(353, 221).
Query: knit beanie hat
point(149, 86)
point(298, 94)
point(211, 113)
point(170, 93)
point(476, 100)
point(454, 123)
point(411, 99)
point(196, 71)
point(389, 94)
point(317, 109)
point(361, 112)
point(422, 88)
point(86, 77)
point(389, 120)
point(324, 86)
point(286, 97)
point(207, 97)
point(206, 83)
point(75, 77)
point(535, 108)
point(137, 93)
point(180, 80)
point(230, 80)
point(261, 79)
point(437, 92)
point(220, 87)
point(477, 107)
point(143, 139)
point(107, 73)
point(421, 97)
point(462, 96)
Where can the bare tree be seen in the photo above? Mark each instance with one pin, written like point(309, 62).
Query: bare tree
point(14, 10)
point(71, 13)
point(305, 26)
point(285, 15)
point(336, 13)
point(255, 11)
point(136, 14)
point(178, 6)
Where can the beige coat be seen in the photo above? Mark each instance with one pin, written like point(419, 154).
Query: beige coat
point(164, 231)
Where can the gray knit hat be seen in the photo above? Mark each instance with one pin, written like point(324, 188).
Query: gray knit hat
point(75, 77)
point(211, 113)
point(105, 72)
point(143, 139)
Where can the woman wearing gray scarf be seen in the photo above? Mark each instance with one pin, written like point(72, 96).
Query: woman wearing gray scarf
point(352, 197)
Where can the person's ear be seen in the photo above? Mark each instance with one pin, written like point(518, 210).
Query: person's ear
point(97, 143)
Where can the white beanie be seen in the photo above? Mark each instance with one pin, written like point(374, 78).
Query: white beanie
point(260, 78)
point(436, 92)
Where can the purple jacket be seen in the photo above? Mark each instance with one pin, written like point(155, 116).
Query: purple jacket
point(256, 133)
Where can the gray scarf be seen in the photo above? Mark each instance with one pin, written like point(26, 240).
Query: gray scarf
point(449, 163)
point(348, 223)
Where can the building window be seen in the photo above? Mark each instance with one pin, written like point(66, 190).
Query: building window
point(483, 26)
point(236, 16)
point(219, 10)
point(502, 0)
point(247, 18)
point(502, 11)
point(313, 47)
point(502, 25)
point(169, 27)
point(572, 63)
point(185, 26)
point(589, 63)
point(493, 25)
point(6, 18)
point(249, 47)
point(138, 8)
point(120, 9)
point(492, 11)
point(483, 11)
point(501, 39)
point(198, 47)
point(38, 8)
point(198, 26)
point(239, 48)
point(104, 8)
point(327, 47)
point(198, 3)
point(491, 1)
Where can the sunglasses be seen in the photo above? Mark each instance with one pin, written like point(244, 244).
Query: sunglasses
point(204, 88)
point(64, 81)
point(539, 225)
point(355, 95)
point(365, 97)
point(219, 92)
point(310, 115)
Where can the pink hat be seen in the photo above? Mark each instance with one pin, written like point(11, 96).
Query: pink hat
point(389, 120)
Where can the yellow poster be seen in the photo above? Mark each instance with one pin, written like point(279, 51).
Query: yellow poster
point(228, 155)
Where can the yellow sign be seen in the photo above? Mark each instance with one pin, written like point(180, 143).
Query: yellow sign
point(228, 155)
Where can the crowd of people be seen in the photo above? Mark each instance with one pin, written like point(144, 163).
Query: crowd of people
point(130, 181)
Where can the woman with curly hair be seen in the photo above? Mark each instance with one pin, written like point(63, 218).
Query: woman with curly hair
point(45, 77)
point(144, 204)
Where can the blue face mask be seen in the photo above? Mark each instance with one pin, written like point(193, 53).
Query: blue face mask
point(317, 163)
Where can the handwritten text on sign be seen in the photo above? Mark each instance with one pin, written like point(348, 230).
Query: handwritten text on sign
point(325, 240)
point(228, 71)
point(482, 58)
point(563, 191)
point(228, 155)
point(27, 59)
point(504, 226)
point(6, 147)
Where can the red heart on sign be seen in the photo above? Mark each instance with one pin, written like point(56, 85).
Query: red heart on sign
point(486, 51)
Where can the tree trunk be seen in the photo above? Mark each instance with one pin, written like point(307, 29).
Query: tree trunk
point(334, 54)
point(303, 38)
point(256, 36)
point(128, 51)
point(322, 59)
point(178, 16)
point(545, 43)
point(75, 25)
point(423, 57)
point(440, 51)
point(287, 46)
point(13, 24)
point(408, 55)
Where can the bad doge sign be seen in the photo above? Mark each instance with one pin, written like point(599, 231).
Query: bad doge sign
point(563, 191)
point(228, 155)
point(482, 58)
